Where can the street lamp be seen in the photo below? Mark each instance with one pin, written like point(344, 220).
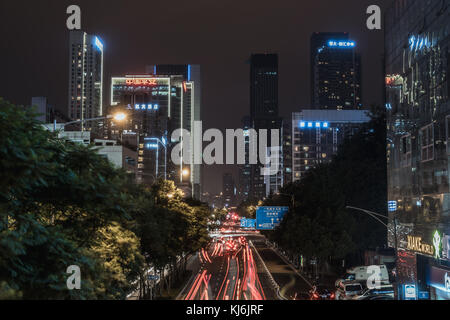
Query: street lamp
point(120, 116)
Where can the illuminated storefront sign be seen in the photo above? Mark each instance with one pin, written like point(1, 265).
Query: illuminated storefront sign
point(146, 106)
point(141, 82)
point(437, 243)
point(415, 244)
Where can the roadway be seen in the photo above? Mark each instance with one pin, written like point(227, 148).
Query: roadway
point(228, 271)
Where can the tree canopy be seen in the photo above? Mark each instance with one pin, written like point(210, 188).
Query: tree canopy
point(63, 204)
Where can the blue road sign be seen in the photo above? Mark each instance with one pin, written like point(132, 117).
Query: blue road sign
point(248, 223)
point(267, 218)
point(153, 277)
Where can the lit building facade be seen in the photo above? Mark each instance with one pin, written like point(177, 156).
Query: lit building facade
point(337, 76)
point(417, 65)
point(156, 106)
point(85, 76)
point(317, 134)
point(317, 41)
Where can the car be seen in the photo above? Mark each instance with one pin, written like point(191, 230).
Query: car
point(346, 290)
point(382, 290)
point(321, 292)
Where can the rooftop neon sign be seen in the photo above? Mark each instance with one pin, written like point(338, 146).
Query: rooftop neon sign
point(141, 82)
point(313, 124)
point(345, 44)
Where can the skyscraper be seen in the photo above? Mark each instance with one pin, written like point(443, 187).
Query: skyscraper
point(85, 76)
point(263, 115)
point(336, 74)
point(318, 40)
point(263, 86)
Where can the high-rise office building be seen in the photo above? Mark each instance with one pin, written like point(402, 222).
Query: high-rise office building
point(156, 106)
point(263, 115)
point(191, 112)
point(85, 76)
point(317, 134)
point(263, 86)
point(317, 41)
point(417, 64)
point(335, 73)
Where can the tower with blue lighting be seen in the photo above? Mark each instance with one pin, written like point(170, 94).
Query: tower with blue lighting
point(85, 94)
point(335, 72)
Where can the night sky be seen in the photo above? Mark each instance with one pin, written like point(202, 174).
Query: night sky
point(218, 35)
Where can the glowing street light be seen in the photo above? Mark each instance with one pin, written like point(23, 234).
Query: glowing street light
point(185, 172)
point(120, 116)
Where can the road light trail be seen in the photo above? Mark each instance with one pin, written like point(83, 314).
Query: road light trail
point(224, 279)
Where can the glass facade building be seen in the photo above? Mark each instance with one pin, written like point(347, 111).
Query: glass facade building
point(417, 65)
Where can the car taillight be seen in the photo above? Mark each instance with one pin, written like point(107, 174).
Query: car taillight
point(332, 296)
point(315, 296)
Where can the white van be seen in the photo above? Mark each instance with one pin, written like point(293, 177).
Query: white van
point(346, 290)
point(362, 274)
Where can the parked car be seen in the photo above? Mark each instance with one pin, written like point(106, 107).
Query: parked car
point(382, 290)
point(346, 290)
point(321, 292)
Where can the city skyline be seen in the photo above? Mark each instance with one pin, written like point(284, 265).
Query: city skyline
point(205, 150)
point(221, 52)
